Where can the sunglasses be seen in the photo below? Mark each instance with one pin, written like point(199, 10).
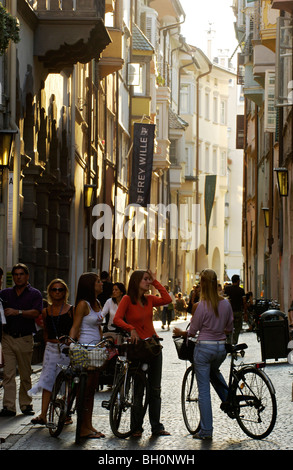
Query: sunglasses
point(58, 289)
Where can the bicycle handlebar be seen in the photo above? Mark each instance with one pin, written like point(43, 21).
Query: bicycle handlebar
point(65, 338)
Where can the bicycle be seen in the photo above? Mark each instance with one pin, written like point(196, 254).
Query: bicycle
point(251, 397)
point(69, 389)
point(129, 400)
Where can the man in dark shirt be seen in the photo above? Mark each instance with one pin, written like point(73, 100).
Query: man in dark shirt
point(238, 303)
point(22, 305)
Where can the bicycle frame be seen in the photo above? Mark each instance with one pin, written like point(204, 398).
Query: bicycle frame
point(236, 373)
point(250, 398)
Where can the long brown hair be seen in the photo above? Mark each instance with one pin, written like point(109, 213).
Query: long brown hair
point(86, 289)
point(133, 287)
point(209, 289)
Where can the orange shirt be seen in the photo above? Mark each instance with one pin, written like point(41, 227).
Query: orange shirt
point(135, 316)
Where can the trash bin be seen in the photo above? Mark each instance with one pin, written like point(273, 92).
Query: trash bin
point(273, 334)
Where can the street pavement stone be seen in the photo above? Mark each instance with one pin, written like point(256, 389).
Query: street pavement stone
point(20, 435)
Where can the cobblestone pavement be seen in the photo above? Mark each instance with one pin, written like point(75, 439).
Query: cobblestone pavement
point(19, 434)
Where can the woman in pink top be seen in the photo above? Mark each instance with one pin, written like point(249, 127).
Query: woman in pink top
point(213, 319)
point(135, 315)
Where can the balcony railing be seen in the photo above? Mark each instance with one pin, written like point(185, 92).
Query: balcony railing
point(67, 31)
point(96, 6)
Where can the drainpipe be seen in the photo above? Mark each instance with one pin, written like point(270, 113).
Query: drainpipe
point(16, 159)
point(197, 149)
point(244, 205)
point(116, 172)
point(165, 29)
point(256, 202)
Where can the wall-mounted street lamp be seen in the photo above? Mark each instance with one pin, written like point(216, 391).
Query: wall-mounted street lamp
point(282, 177)
point(89, 190)
point(6, 139)
point(266, 213)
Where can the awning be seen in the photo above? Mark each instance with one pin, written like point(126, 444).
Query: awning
point(286, 5)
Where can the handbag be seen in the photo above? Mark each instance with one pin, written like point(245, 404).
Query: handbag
point(79, 356)
point(145, 350)
point(184, 348)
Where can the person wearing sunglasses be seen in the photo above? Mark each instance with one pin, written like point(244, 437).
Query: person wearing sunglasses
point(58, 320)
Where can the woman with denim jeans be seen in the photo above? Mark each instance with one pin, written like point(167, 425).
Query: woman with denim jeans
point(213, 320)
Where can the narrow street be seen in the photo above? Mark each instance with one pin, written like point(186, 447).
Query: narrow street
point(21, 435)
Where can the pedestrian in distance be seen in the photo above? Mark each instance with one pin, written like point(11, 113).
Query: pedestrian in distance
point(193, 299)
point(180, 306)
point(109, 310)
point(135, 315)
point(213, 320)
point(87, 329)
point(57, 321)
point(168, 311)
point(107, 288)
point(237, 297)
point(249, 310)
point(22, 304)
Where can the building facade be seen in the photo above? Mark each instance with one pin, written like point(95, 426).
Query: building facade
point(264, 31)
point(74, 88)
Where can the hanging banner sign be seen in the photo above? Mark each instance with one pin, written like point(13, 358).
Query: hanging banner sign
point(142, 164)
point(210, 189)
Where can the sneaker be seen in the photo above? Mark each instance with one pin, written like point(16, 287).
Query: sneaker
point(202, 437)
point(28, 410)
point(6, 412)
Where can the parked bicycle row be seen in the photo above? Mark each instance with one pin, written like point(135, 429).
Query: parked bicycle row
point(74, 369)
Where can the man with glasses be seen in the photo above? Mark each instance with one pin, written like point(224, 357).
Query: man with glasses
point(22, 304)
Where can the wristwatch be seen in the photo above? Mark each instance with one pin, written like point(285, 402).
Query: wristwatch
point(19, 312)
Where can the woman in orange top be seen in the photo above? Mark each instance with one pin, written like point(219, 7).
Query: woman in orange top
point(135, 315)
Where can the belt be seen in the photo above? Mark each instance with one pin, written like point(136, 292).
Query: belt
point(212, 342)
point(17, 335)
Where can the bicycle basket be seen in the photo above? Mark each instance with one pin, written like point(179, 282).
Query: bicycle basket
point(184, 348)
point(78, 356)
point(98, 358)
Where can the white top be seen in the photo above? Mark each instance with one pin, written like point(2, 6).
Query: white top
point(110, 307)
point(90, 327)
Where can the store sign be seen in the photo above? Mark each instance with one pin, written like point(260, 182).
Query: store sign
point(142, 164)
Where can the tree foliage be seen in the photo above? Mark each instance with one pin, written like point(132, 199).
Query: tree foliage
point(9, 29)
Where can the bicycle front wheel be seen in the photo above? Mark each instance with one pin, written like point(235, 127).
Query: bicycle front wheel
point(128, 404)
point(58, 404)
point(255, 403)
point(80, 399)
point(189, 401)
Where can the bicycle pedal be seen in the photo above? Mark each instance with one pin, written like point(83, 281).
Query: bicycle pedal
point(51, 425)
point(106, 404)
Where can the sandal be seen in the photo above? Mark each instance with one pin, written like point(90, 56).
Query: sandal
point(136, 434)
point(93, 435)
point(38, 420)
point(161, 433)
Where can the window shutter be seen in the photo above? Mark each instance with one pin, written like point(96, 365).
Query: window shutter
point(269, 104)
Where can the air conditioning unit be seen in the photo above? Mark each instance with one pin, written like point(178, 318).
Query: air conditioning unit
point(134, 74)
